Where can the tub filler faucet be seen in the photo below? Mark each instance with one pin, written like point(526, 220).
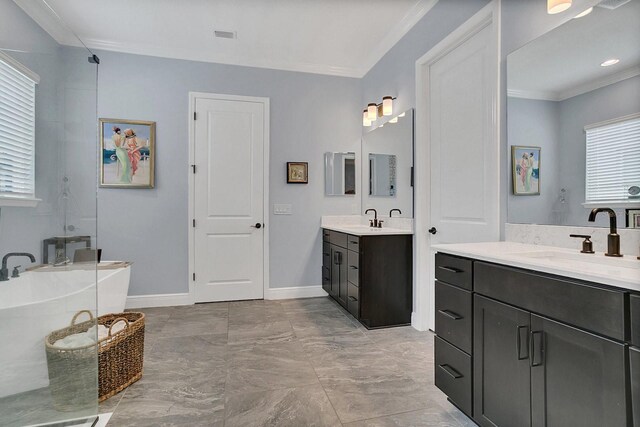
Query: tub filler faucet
point(4, 272)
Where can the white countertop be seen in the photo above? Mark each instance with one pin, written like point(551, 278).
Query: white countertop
point(619, 272)
point(362, 230)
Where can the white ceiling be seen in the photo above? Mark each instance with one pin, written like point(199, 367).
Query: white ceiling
point(566, 61)
point(337, 37)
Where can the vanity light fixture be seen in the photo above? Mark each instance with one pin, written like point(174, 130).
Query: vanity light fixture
point(609, 62)
point(387, 106)
point(365, 119)
point(372, 111)
point(585, 13)
point(557, 6)
point(394, 120)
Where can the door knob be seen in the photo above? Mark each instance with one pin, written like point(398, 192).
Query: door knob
point(432, 230)
point(258, 225)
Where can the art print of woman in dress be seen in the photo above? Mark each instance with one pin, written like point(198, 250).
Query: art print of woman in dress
point(526, 170)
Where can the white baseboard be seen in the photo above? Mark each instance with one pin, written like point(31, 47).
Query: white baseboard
point(158, 300)
point(295, 292)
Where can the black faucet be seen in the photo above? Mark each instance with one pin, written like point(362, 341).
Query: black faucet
point(373, 222)
point(395, 210)
point(613, 239)
point(4, 272)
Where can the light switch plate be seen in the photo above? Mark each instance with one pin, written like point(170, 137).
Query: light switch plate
point(282, 209)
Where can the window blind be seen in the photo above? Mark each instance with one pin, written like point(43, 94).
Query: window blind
point(17, 129)
point(613, 159)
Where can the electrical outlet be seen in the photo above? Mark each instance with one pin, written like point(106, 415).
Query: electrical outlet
point(282, 209)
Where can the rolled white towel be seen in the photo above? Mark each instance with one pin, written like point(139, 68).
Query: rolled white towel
point(75, 340)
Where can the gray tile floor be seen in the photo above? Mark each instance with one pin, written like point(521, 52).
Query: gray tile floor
point(292, 363)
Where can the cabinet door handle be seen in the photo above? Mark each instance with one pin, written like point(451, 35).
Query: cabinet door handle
point(452, 372)
point(353, 241)
point(539, 360)
point(450, 314)
point(522, 333)
point(450, 269)
point(325, 254)
point(339, 257)
point(353, 267)
point(352, 298)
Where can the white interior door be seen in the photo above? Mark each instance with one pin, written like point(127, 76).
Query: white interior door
point(461, 130)
point(228, 196)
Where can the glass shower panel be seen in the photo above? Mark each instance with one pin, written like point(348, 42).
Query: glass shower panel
point(48, 308)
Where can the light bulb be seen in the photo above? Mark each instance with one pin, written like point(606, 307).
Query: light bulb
point(387, 106)
point(557, 6)
point(609, 62)
point(365, 119)
point(372, 111)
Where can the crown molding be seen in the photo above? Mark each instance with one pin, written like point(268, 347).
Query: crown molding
point(194, 55)
point(599, 83)
point(575, 90)
point(411, 18)
point(539, 95)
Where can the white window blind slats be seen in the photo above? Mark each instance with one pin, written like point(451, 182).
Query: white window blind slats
point(17, 131)
point(612, 160)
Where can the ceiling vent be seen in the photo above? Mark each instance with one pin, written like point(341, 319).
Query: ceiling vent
point(225, 34)
point(612, 4)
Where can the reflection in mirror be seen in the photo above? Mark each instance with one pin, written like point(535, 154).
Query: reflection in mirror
point(567, 98)
point(339, 174)
point(382, 175)
point(387, 173)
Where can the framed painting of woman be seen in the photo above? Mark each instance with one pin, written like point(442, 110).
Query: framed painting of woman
point(525, 174)
point(127, 153)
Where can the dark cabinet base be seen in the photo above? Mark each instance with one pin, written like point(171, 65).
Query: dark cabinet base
point(371, 276)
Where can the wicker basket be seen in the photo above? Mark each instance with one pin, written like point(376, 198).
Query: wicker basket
point(72, 372)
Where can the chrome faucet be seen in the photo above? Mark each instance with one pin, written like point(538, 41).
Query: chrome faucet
point(613, 239)
point(373, 222)
point(395, 210)
point(4, 272)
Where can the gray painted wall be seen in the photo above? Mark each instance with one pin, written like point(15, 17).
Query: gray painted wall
point(310, 114)
point(23, 229)
point(536, 123)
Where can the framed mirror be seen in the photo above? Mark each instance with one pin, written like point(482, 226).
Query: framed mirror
point(574, 96)
point(340, 174)
point(387, 153)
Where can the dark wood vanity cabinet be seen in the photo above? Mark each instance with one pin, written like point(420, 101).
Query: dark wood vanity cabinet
point(546, 350)
point(370, 276)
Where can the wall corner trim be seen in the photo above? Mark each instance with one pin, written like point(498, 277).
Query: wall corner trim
point(294, 292)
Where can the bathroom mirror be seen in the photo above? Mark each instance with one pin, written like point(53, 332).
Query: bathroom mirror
point(570, 89)
point(340, 174)
point(387, 153)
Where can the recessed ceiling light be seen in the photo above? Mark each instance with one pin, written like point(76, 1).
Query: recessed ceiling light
point(224, 34)
point(609, 62)
point(585, 13)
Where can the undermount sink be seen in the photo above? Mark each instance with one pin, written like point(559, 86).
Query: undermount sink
point(601, 259)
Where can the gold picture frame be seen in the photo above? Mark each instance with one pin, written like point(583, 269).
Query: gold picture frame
point(127, 153)
point(297, 173)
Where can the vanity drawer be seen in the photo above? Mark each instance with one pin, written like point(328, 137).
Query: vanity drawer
point(353, 243)
point(353, 268)
point(596, 309)
point(353, 300)
point(453, 374)
point(326, 235)
point(338, 239)
point(326, 254)
point(635, 321)
point(326, 279)
point(453, 315)
point(454, 270)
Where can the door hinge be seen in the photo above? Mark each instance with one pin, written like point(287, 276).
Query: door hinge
point(193, 222)
point(194, 168)
point(194, 277)
point(195, 116)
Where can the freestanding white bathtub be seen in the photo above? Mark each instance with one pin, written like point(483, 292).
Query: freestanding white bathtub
point(39, 302)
